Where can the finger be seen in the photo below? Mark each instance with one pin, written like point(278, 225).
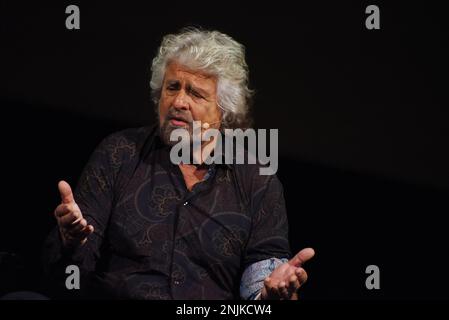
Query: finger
point(293, 284)
point(70, 219)
point(302, 256)
point(302, 276)
point(62, 210)
point(283, 290)
point(83, 234)
point(66, 192)
point(266, 282)
point(267, 286)
point(76, 228)
point(270, 288)
point(273, 292)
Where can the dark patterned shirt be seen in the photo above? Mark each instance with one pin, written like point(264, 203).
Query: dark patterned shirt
point(155, 239)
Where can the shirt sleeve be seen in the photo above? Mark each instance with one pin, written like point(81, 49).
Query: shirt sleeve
point(94, 196)
point(269, 232)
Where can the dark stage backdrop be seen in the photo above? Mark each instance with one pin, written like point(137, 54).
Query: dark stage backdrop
point(362, 118)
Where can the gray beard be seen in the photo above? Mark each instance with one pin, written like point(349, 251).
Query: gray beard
point(166, 129)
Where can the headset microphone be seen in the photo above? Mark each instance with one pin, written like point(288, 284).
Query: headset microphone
point(207, 125)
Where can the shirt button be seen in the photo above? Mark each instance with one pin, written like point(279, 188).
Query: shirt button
point(176, 282)
point(186, 203)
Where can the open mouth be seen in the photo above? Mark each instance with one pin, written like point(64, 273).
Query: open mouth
point(178, 122)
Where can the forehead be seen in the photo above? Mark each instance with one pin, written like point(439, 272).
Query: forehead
point(176, 71)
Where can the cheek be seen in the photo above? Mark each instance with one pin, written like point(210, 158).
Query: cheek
point(215, 113)
point(161, 116)
point(163, 107)
point(206, 113)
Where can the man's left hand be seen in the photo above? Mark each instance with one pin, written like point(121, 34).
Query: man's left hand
point(283, 283)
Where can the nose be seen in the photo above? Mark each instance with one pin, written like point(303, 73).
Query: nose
point(180, 101)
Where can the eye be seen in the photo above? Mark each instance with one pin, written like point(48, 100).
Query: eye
point(172, 86)
point(196, 94)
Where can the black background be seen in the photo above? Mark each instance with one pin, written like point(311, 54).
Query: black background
point(362, 118)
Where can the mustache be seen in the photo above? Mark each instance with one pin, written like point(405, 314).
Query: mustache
point(177, 115)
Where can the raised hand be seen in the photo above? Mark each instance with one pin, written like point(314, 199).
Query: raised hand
point(72, 226)
point(283, 283)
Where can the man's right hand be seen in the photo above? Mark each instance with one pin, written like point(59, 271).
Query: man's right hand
point(72, 226)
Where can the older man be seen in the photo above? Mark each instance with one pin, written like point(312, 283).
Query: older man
point(139, 226)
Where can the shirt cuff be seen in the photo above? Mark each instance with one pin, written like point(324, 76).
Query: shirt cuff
point(254, 276)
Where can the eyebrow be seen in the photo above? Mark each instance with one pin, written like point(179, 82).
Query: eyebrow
point(200, 90)
point(171, 82)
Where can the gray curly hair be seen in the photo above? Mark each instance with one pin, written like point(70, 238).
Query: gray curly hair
point(217, 54)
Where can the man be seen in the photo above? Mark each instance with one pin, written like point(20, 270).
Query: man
point(141, 227)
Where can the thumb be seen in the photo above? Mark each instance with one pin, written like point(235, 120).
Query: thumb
point(302, 256)
point(66, 192)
